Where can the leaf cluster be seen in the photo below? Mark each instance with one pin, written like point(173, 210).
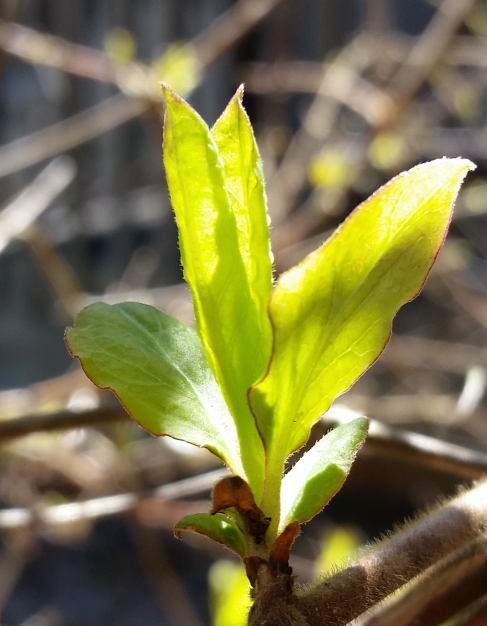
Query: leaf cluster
point(266, 360)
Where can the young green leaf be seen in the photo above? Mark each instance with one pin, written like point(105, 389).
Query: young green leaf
point(157, 368)
point(244, 180)
point(218, 527)
point(215, 236)
point(320, 473)
point(332, 313)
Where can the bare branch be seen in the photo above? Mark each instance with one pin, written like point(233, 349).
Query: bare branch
point(69, 133)
point(429, 50)
point(22, 212)
point(108, 505)
point(230, 27)
point(41, 49)
point(36, 47)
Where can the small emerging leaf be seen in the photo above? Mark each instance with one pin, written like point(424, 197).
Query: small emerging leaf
point(157, 368)
point(218, 527)
point(320, 472)
point(232, 492)
point(178, 66)
point(221, 248)
point(332, 313)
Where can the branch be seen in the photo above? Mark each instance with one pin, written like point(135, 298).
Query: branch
point(438, 593)
point(35, 47)
point(108, 505)
point(60, 420)
point(428, 51)
point(41, 49)
point(230, 28)
point(69, 133)
point(396, 560)
point(301, 76)
point(22, 212)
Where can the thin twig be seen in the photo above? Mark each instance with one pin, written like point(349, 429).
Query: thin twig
point(230, 27)
point(108, 505)
point(64, 285)
point(300, 76)
point(69, 133)
point(428, 50)
point(318, 122)
point(17, 221)
point(22, 212)
point(42, 49)
point(227, 30)
point(316, 127)
point(59, 421)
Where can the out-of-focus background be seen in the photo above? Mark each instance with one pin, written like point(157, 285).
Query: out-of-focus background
point(343, 94)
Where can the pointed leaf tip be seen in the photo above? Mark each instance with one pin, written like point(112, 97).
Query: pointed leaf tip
point(332, 314)
point(216, 191)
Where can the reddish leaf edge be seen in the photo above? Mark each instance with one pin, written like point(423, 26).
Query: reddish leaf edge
point(162, 434)
point(335, 233)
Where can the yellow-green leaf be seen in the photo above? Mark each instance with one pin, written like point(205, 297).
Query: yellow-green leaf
point(229, 296)
point(332, 313)
point(244, 180)
point(320, 472)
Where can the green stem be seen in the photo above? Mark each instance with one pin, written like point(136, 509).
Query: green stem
point(271, 497)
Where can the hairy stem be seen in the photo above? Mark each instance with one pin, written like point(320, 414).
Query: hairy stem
point(382, 569)
point(438, 593)
point(396, 560)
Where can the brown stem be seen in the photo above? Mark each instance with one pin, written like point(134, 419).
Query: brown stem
point(396, 560)
point(382, 569)
point(440, 592)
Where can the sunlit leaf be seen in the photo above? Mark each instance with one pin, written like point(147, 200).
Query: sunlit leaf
point(157, 368)
point(332, 313)
point(230, 594)
point(338, 544)
point(329, 168)
point(227, 294)
point(120, 45)
point(218, 527)
point(244, 181)
point(178, 67)
point(320, 472)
